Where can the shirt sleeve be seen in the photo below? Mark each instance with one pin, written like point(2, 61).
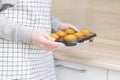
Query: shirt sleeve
point(10, 30)
point(55, 22)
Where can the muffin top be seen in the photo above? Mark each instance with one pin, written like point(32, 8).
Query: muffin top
point(79, 35)
point(55, 36)
point(70, 31)
point(61, 33)
point(70, 37)
point(86, 32)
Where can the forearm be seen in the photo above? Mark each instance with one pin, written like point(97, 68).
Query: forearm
point(10, 30)
point(55, 22)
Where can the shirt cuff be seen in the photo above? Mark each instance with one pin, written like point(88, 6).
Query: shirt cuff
point(24, 34)
point(55, 22)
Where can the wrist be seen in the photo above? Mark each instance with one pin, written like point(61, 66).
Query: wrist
point(24, 34)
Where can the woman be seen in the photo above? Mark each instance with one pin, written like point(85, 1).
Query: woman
point(25, 44)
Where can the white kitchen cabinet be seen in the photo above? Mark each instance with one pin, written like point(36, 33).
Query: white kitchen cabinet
point(73, 71)
point(113, 75)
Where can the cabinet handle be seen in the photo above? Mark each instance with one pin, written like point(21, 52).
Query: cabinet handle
point(68, 67)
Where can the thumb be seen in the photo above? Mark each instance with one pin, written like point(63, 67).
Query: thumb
point(74, 27)
point(48, 37)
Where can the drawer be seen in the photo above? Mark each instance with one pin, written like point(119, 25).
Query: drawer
point(73, 71)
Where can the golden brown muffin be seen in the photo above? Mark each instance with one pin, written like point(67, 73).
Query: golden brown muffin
point(86, 32)
point(70, 31)
point(79, 35)
point(70, 37)
point(70, 40)
point(55, 36)
point(61, 33)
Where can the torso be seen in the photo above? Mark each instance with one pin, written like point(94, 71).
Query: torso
point(25, 61)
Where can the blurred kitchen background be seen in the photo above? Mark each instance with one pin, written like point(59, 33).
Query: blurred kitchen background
point(100, 16)
point(98, 60)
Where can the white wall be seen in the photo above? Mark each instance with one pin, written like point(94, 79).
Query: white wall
point(101, 16)
point(72, 11)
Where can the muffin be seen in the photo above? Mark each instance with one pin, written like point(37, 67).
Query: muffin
point(70, 40)
point(61, 33)
point(88, 35)
point(79, 35)
point(70, 31)
point(86, 32)
point(55, 36)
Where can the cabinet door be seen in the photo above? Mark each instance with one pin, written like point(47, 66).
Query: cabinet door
point(113, 75)
point(73, 71)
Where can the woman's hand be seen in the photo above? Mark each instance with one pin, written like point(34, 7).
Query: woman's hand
point(44, 41)
point(65, 26)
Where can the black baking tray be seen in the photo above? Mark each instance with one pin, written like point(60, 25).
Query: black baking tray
point(79, 41)
point(88, 37)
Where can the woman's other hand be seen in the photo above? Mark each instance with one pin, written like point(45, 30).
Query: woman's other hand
point(65, 26)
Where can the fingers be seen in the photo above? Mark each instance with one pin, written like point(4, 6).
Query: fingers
point(44, 41)
point(65, 26)
point(51, 46)
point(48, 37)
point(73, 27)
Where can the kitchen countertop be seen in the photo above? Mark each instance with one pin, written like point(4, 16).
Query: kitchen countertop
point(99, 53)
